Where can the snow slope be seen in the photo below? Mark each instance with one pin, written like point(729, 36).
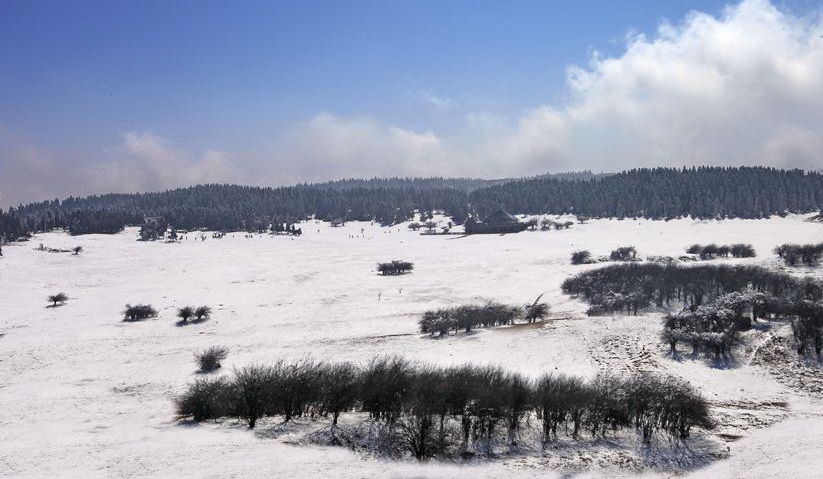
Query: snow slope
point(86, 395)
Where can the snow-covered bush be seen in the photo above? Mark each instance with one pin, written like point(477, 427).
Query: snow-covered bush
point(395, 267)
point(582, 257)
point(185, 314)
point(202, 313)
point(209, 360)
point(207, 399)
point(138, 312)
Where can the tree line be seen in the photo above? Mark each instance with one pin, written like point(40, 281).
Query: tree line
point(659, 193)
point(662, 193)
point(449, 411)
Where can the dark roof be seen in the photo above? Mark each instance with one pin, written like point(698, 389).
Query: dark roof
point(500, 217)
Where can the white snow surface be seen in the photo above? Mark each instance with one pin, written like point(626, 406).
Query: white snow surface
point(83, 394)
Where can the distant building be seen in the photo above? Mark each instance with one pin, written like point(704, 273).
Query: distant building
point(498, 222)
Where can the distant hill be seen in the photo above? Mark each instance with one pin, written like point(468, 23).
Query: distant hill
point(703, 192)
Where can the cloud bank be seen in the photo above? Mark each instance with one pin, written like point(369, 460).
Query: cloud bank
point(145, 162)
point(743, 87)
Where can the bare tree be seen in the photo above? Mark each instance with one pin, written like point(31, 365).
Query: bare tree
point(60, 298)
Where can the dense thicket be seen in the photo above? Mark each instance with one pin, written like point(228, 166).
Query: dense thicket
point(705, 192)
point(713, 327)
point(631, 287)
point(434, 411)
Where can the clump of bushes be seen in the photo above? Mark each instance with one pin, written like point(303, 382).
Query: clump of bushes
point(582, 257)
point(209, 360)
point(395, 267)
point(138, 312)
point(624, 253)
point(60, 298)
point(202, 313)
point(794, 254)
point(468, 317)
point(189, 314)
point(450, 412)
point(712, 251)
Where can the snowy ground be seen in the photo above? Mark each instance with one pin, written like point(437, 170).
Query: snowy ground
point(86, 395)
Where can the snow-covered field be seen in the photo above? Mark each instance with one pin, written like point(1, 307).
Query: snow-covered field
point(83, 394)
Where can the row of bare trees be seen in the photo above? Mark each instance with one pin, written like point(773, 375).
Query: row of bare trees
point(631, 287)
point(794, 254)
point(468, 317)
point(712, 251)
point(446, 412)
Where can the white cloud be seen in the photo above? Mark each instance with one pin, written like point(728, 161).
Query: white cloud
point(329, 146)
point(144, 162)
point(741, 88)
point(439, 103)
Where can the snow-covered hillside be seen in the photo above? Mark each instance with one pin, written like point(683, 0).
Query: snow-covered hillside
point(84, 394)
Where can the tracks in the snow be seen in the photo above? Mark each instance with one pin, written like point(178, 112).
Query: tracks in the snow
point(623, 353)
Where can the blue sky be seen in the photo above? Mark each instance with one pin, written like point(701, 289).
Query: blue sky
point(242, 84)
